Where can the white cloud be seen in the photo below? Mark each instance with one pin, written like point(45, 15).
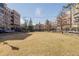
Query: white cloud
point(21, 21)
point(38, 12)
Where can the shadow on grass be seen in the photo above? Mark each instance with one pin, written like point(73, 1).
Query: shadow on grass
point(13, 36)
point(12, 47)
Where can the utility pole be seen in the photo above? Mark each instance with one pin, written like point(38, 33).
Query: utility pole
point(25, 24)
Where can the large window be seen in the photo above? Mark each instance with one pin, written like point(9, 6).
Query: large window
point(2, 5)
point(1, 12)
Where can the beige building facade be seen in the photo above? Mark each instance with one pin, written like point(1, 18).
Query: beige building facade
point(9, 19)
point(67, 18)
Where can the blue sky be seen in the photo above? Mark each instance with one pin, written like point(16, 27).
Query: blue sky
point(37, 11)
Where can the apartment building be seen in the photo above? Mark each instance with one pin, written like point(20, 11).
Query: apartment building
point(1, 18)
point(76, 16)
point(15, 20)
point(39, 27)
point(66, 19)
point(9, 19)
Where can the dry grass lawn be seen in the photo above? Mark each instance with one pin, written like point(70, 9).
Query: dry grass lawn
point(41, 43)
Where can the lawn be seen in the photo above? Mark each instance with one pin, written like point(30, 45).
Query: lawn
point(40, 44)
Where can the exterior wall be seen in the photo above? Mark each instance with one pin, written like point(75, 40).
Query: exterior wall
point(16, 19)
point(39, 27)
point(76, 17)
point(36, 27)
point(2, 24)
point(1, 17)
point(7, 19)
